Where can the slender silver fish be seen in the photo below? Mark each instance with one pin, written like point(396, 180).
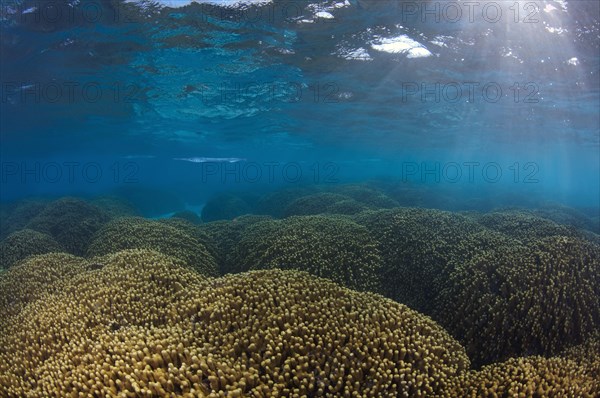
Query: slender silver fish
point(211, 160)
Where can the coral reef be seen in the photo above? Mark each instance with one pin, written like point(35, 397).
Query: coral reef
point(528, 225)
point(139, 233)
point(346, 207)
point(523, 225)
point(252, 244)
point(368, 196)
point(322, 203)
point(34, 278)
point(71, 221)
point(144, 325)
point(342, 199)
point(567, 216)
point(299, 312)
point(225, 207)
point(226, 235)
point(329, 247)
point(587, 355)
point(17, 215)
point(4, 212)
point(419, 248)
point(115, 206)
point(188, 216)
point(529, 377)
point(194, 231)
point(275, 203)
point(524, 300)
point(24, 243)
point(130, 288)
point(408, 196)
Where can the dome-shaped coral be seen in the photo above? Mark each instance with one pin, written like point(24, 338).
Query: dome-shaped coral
point(126, 289)
point(329, 247)
point(22, 244)
point(322, 203)
point(71, 221)
point(4, 212)
point(275, 203)
point(251, 245)
point(368, 196)
point(145, 325)
point(18, 214)
point(194, 231)
point(567, 216)
point(115, 206)
point(524, 300)
point(35, 277)
point(189, 216)
point(524, 225)
point(419, 248)
point(530, 377)
point(346, 207)
point(139, 233)
point(226, 235)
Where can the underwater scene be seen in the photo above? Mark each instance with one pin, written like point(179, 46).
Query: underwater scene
point(300, 198)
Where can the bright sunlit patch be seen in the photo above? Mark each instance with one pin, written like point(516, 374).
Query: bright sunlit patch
point(358, 54)
point(324, 10)
point(343, 4)
point(418, 52)
point(402, 45)
point(324, 15)
point(558, 31)
point(562, 4)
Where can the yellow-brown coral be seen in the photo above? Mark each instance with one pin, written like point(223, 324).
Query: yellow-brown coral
point(329, 247)
point(35, 277)
point(24, 243)
point(145, 325)
point(531, 377)
point(71, 221)
point(419, 248)
point(226, 235)
point(587, 355)
point(139, 233)
point(524, 300)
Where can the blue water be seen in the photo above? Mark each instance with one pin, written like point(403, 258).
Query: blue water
point(160, 158)
point(476, 102)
